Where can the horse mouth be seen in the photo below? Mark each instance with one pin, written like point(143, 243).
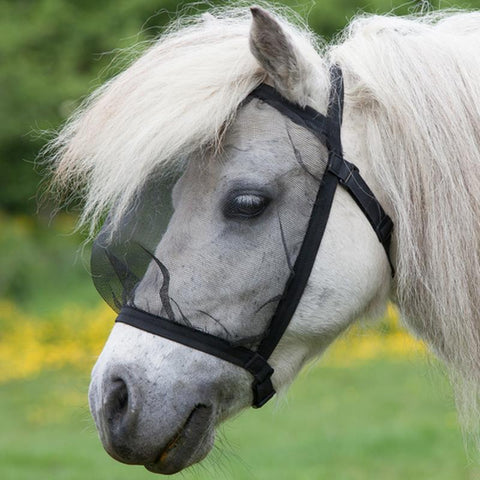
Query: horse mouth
point(189, 445)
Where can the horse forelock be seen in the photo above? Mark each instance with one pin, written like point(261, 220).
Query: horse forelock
point(175, 99)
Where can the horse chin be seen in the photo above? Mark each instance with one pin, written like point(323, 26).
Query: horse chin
point(189, 445)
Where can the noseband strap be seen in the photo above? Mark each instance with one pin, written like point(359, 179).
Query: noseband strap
point(338, 172)
point(216, 346)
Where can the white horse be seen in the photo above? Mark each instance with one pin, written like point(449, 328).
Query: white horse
point(411, 124)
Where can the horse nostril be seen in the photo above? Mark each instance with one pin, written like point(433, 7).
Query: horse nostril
point(117, 401)
point(119, 412)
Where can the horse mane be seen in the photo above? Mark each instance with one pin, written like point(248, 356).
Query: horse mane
point(415, 85)
point(414, 82)
point(174, 100)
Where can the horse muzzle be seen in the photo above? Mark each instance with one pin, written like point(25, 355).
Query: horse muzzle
point(139, 426)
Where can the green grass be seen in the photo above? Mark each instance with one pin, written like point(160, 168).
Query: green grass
point(380, 420)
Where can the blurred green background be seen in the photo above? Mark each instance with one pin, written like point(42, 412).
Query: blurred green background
point(374, 408)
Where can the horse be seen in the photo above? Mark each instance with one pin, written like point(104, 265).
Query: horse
point(244, 176)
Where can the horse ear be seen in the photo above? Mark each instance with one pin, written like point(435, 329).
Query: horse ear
point(273, 48)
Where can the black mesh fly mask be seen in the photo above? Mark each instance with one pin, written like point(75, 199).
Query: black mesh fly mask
point(119, 265)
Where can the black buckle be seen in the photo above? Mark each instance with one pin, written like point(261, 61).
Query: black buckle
point(342, 169)
point(262, 392)
point(262, 386)
point(384, 229)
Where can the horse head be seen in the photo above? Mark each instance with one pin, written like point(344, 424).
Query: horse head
point(240, 212)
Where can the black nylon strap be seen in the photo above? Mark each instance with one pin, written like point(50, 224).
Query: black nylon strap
point(303, 266)
point(316, 227)
point(305, 117)
point(216, 346)
point(349, 177)
point(335, 112)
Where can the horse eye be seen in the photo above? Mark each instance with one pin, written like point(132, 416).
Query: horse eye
point(245, 205)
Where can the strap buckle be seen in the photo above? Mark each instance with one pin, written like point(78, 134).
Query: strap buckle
point(262, 386)
point(384, 229)
point(342, 169)
point(262, 392)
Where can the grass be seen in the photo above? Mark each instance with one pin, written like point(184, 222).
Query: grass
point(380, 419)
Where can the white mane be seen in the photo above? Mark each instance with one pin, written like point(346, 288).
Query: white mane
point(416, 83)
